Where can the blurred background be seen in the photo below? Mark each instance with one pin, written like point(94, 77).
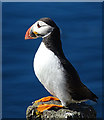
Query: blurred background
point(81, 35)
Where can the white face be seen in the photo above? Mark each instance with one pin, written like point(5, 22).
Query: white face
point(41, 29)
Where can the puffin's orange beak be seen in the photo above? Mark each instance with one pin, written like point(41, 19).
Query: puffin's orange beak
point(30, 35)
point(27, 35)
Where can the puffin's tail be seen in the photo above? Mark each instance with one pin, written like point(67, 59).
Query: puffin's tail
point(93, 97)
point(88, 94)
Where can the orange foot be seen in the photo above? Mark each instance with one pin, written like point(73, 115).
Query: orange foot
point(46, 99)
point(44, 107)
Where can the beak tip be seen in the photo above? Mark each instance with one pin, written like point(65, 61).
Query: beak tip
point(26, 38)
point(27, 34)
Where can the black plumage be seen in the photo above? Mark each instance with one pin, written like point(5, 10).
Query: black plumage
point(77, 89)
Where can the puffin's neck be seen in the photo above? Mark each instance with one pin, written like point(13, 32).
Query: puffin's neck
point(53, 42)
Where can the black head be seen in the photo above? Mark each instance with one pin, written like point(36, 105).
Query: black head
point(48, 21)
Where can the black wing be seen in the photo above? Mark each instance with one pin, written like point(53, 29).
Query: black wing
point(77, 89)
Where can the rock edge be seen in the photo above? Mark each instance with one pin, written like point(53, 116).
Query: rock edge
point(74, 111)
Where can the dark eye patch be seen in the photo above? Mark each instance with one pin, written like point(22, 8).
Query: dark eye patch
point(38, 25)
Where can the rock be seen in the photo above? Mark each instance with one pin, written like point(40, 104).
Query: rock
point(74, 111)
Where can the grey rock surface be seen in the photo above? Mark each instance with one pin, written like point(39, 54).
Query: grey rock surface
point(72, 112)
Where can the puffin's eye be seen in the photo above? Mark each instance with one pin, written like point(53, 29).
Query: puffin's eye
point(38, 25)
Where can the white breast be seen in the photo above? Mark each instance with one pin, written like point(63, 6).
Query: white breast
point(48, 70)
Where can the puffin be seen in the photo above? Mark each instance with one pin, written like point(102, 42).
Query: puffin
point(53, 69)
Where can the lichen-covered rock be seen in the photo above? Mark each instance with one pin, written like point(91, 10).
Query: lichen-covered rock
point(74, 111)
